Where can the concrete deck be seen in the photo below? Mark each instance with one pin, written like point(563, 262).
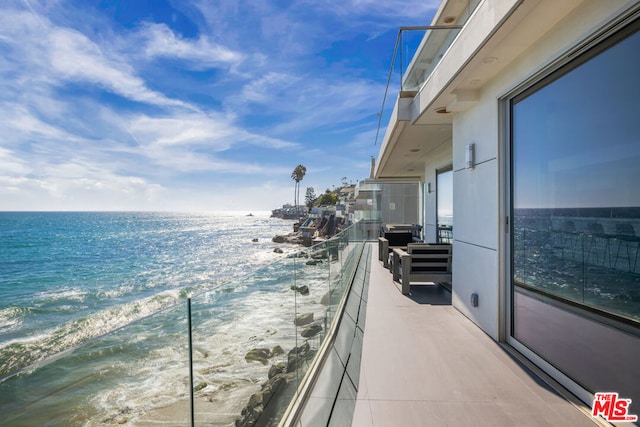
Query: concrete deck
point(425, 364)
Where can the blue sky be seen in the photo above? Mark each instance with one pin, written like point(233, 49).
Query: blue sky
point(189, 105)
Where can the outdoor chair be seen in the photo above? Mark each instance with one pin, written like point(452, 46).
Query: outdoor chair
point(391, 240)
point(422, 262)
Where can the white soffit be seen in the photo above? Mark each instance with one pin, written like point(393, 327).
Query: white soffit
point(496, 34)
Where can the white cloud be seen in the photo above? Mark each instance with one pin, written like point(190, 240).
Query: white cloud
point(11, 165)
point(182, 130)
point(75, 184)
point(53, 55)
point(220, 196)
point(200, 53)
point(260, 90)
point(216, 132)
point(268, 142)
point(264, 79)
point(171, 162)
point(17, 123)
point(312, 102)
point(114, 192)
point(76, 58)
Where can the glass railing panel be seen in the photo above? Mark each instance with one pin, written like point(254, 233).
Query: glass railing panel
point(242, 331)
point(430, 52)
point(331, 379)
point(254, 340)
point(417, 52)
point(348, 252)
point(245, 334)
point(123, 377)
point(367, 210)
point(418, 60)
point(316, 311)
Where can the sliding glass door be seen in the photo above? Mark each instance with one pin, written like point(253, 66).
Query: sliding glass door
point(444, 200)
point(575, 209)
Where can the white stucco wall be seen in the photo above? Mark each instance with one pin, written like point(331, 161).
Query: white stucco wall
point(475, 206)
point(479, 209)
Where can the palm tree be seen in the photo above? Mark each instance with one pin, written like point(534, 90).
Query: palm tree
point(297, 175)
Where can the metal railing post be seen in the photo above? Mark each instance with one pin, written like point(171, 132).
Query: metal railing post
point(193, 422)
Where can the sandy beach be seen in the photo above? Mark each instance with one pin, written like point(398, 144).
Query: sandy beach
point(220, 408)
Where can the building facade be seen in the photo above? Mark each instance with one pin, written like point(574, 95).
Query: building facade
point(522, 126)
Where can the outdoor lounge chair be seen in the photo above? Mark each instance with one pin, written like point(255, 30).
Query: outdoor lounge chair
point(390, 241)
point(422, 262)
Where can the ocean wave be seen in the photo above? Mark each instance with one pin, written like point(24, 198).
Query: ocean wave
point(223, 333)
point(128, 374)
point(21, 352)
point(124, 327)
point(11, 318)
point(115, 292)
point(61, 294)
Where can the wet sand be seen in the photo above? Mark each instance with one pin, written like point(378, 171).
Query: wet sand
point(211, 409)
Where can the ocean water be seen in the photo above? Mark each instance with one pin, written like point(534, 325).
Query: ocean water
point(66, 279)
point(585, 255)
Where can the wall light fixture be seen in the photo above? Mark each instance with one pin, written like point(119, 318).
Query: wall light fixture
point(469, 156)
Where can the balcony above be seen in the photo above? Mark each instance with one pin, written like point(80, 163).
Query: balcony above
point(460, 65)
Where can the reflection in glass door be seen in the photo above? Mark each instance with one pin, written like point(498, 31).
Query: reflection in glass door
point(575, 218)
point(444, 193)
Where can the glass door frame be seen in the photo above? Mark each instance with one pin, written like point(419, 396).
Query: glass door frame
point(439, 235)
point(564, 65)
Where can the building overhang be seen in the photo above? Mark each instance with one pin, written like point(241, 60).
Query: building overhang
point(493, 36)
point(406, 146)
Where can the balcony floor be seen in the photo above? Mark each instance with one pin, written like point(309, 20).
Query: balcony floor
point(424, 363)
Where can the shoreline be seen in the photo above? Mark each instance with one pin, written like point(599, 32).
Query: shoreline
point(219, 409)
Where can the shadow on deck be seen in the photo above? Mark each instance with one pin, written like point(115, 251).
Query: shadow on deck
point(429, 295)
point(414, 360)
point(424, 363)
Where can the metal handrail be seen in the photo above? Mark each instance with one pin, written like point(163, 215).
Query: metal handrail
point(393, 60)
